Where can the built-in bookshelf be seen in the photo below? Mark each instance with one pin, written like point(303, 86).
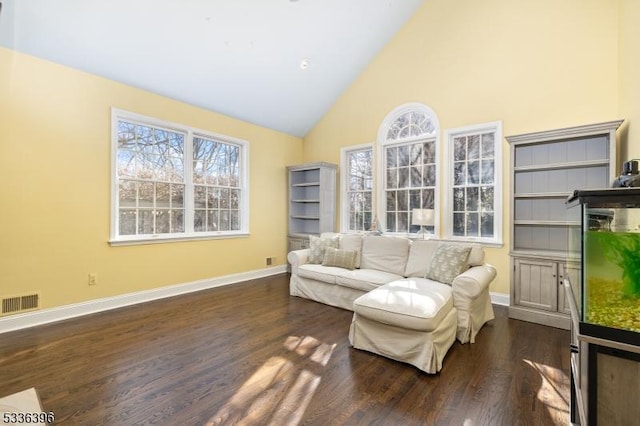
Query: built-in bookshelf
point(312, 202)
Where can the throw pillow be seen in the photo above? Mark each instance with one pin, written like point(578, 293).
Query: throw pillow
point(340, 258)
point(448, 262)
point(317, 246)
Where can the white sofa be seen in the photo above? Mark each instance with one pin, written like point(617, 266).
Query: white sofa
point(381, 260)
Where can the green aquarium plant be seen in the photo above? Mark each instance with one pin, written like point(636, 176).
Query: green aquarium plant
point(624, 251)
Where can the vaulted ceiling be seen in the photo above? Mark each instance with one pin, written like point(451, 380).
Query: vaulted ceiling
point(276, 63)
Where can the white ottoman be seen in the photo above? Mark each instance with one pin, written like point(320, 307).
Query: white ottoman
point(410, 320)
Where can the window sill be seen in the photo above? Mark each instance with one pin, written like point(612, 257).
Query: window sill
point(173, 238)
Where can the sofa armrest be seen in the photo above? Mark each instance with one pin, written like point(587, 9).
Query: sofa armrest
point(473, 281)
point(297, 258)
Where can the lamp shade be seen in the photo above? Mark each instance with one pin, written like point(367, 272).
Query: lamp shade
point(423, 217)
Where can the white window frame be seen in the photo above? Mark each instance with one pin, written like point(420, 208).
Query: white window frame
point(345, 218)
point(189, 133)
point(449, 136)
point(383, 142)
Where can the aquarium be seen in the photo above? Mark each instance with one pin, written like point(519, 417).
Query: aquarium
point(607, 242)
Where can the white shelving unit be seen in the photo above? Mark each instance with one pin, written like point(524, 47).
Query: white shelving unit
point(312, 202)
point(546, 167)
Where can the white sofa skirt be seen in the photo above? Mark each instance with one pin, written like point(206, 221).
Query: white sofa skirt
point(422, 349)
point(329, 294)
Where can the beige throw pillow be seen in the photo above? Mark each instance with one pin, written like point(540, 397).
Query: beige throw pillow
point(317, 246)
point(448, 262)
point(340, 258)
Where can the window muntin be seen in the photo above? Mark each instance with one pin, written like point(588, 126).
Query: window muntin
point(173, 182)
point(408, 141)
point(357, 194)
point(474, 182)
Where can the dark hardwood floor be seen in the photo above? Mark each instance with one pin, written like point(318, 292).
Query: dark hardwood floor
point(251, 354)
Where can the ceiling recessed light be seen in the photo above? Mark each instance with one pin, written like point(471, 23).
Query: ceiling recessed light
point(304, 64)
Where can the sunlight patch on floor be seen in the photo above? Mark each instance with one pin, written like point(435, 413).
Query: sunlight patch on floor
point(281, 389)
point(550, 393)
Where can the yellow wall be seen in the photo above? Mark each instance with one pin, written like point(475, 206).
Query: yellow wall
point(629, 84)
point(535, 65)
point(55, 146)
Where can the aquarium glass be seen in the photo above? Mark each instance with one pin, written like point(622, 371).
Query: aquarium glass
point(610, 295)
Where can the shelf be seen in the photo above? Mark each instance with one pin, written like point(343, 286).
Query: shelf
point(305, 201)
point(542, 195)
point(560, 166)
point(540, 254)
point(306, 217)
point(546, 223)
point(306, 184)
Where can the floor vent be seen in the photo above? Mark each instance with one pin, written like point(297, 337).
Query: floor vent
point(16, 304)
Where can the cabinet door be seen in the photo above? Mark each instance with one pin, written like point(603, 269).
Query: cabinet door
point(536, 284)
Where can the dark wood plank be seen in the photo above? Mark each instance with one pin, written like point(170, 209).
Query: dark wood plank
point(251, 354)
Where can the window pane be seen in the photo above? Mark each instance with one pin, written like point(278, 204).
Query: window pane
point(458, 199)
point(392, 157)
point(459, 173)
point(145, 194)
point(403, 200)
point(234, 217)
point(486, 196)
point(225, 198)
point(212, 222)
point(416, 154)
point(459, 148)
point(416, 177)
point(429, 152)
point(127, 193)
point(391, 222)
point(429, 175)
point(127, 221)
point(486, 228)
point(392, 178)
point(234, 195)
point(368, 204)
point(177, 220)
point(403, 222)
point(428, 198)
point(225, 220)
point(403, 177)
point(472, 199)
point(415, 199)
point(487, 171)
point(145, 221)
point(199, 220)
point(163, 195)
point(473, 147)
point(177, 195)
point(473, 172)
point(200, 197)
point(403, 155)
point(163, 222)
point(126, 163)
point(488, 143)
point(391, 201)
point(458, 224)
point(472, 224)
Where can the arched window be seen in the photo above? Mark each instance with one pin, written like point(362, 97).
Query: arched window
point(407, 143)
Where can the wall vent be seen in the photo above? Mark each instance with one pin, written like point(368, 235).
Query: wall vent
point(16, 304)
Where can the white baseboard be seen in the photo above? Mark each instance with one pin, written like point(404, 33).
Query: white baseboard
point(499, 298)
point(45, 316)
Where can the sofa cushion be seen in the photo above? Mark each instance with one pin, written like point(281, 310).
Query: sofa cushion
point(317, 245)
point(325, 274)
point(364, 279)
point(449, 261)
point(420, 254)
point(388, 254)
point(339, 258)
point(413, 303)
point(352, 242)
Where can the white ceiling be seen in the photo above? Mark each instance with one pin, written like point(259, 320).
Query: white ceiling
point(237, 57)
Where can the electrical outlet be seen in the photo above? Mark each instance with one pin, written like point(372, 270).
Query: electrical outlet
point(93, 278)
point(269, 261)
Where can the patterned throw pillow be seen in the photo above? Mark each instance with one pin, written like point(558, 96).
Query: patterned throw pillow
point(317, 245)
point(448, 262)
point(340, 258)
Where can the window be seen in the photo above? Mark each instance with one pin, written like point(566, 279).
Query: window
point(408, 147)
point(474, 199)
point(357, 188)
point(174, 182)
